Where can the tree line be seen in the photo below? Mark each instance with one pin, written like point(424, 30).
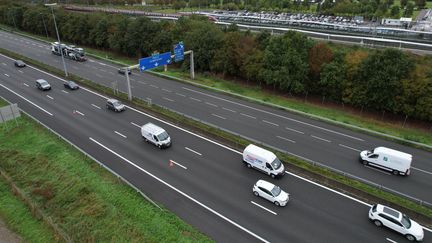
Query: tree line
point(383, 80)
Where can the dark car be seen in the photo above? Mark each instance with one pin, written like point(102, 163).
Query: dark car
point(123, 71)
point(19, 63)
point(71, 85)
point(115, 105)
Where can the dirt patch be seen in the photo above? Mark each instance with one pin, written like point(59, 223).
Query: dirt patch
point(7, 236)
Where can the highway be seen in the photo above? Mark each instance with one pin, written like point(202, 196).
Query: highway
point(208, 186)
point(306, 138)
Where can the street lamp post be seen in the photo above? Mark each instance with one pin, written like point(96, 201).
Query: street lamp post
point(43, 21)
point(58, 36)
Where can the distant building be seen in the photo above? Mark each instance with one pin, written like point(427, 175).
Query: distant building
point(402, 22)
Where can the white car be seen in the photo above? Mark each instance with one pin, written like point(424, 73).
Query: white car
point(270, 192)
point(395, 220)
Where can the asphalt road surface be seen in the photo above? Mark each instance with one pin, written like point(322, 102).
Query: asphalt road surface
point(307, 138)
point(207, 185)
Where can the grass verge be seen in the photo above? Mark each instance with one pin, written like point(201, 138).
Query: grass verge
point(324, 176)
point(83, 199)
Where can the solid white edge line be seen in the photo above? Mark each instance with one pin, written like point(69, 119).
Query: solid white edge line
point(424, 171)
point(96, 106)
point(184, 167)
point(325, 140)
point(277, 115)
point(181, 192)
point(193, 151)
point(286, 139)
point(22, 97)
point(135, 124)
point(268, 210)
point(348, 147)
point(186, 131)
point(120, 134)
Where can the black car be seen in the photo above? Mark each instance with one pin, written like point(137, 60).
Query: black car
point(19, 63)
point(71, 85)
point(123, 71)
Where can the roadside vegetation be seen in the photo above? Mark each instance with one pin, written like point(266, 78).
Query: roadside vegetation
point(82, 199)
point(394, 86)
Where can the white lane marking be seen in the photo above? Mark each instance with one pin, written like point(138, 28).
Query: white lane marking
point(211, 104)
point(50, 97)
point(96, 106)
point(141, 82)
point(103, 64)
point(120, 134)
point(348, 147)
point(20, 71)
point(7, 75)
point(229, 109)
point(91, 60)
point(167, 99)
point(22, 97)
point(135, 124)
point(166, 90)
point(391, 240)
point(4, 63)
point(297, 131)
point(26, 84)
point(194, 99)
point(268, 210)
point(247, 115)
point(76, 111)
point(271, 123)
point(64, 91)
point(286, 139)
point(181, 192)
point(424, 171)
point(325, 140)
point(221, 117)
point(100, 76)
point(193, 151)
point(184, 167)
point(277, 115)
point(181, 94)
point(154, 86)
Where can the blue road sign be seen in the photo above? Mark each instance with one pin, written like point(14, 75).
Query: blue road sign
point(154, 61)
point(179, 52)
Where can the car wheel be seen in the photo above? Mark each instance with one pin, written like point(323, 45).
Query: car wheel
point(273, 176)
point(249, 165)
point(377, 223)
point(395, 172)
point(277, 203)
point(364, 162)
point(256, 193)
point(410, 237)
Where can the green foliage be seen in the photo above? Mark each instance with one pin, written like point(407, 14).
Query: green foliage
point(394, 12)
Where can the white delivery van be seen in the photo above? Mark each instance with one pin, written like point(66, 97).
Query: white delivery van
point(263, 160)
point(155, 135)
point(388, 159)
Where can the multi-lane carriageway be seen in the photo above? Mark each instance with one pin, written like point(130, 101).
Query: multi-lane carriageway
point(307, 138)
point(207, 186)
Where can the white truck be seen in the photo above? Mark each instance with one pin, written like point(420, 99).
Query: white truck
point(388, 159)
point(155, 135)
point(263, 160)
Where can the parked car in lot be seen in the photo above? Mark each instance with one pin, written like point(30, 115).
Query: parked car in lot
point(395, 220)
point(270, 192)
point(71, 85)
point(19, 63)
point(123, 71)
point(42, 84)
point(115, 105)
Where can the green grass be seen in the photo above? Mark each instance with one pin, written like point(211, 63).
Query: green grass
point(81, 197)
point(19, 219)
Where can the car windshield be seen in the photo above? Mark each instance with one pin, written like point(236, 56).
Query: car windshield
point(276, 164)
point(72, 84)
point(44, 83)
point(163, 136)
point(276, 191)
point(117, 103)
point(406, 221)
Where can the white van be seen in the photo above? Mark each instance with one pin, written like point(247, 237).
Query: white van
point(388, 159)
point(263, 160)
point(155, 135)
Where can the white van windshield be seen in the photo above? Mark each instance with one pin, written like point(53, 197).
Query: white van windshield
point(276, 164)
point(163, 136)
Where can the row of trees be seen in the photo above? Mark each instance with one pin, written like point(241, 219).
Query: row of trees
point(384, 80)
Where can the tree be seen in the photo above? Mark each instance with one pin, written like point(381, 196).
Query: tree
point(420, 3)
point(253, 66)
point(403, 3)
point(333, 80)
point(409, 9)
point(319, 55)
point(179, 4)
point(394, 12)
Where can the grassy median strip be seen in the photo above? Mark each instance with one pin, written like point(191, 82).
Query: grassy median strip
point(83, 199)
point(325, 175)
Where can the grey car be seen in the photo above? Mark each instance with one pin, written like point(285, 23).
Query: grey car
point(42, 84)
point(115, 105)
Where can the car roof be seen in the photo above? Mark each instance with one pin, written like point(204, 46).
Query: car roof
point(389, 211)
point(265, 184)
point(112, 100)
point(41, 80)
